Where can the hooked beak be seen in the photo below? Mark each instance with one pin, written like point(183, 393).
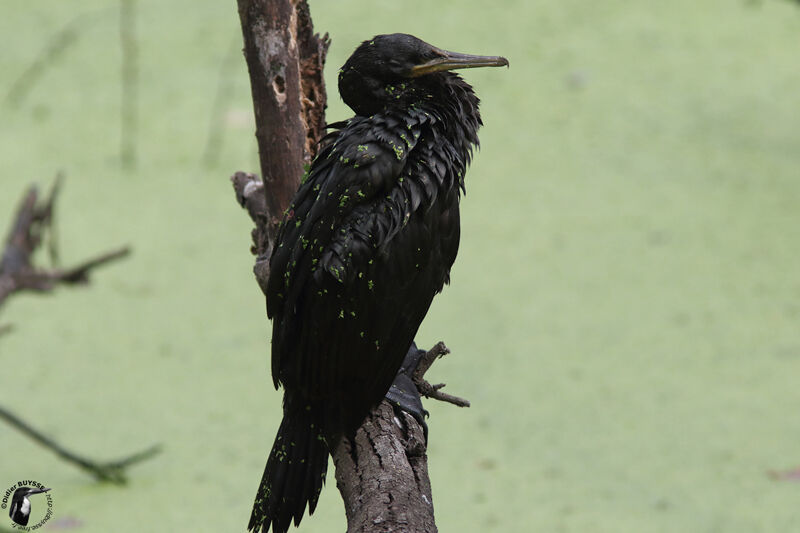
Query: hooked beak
point(454, 60)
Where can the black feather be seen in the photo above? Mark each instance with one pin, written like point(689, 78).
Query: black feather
point(366, 244)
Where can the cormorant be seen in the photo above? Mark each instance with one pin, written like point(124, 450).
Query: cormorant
point(20, 509)
point(367, 242)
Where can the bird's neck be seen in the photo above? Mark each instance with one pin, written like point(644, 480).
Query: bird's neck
point(452, 132)
point(454, 102)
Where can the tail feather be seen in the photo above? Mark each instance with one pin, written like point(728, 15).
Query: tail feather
point(293, 477)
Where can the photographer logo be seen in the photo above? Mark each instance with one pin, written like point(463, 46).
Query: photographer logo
point(27, 509)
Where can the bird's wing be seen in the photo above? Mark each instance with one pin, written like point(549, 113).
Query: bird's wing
point(350, 278)
point(350, 173)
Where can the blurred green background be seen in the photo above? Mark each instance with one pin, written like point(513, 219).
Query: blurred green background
point(623, 314)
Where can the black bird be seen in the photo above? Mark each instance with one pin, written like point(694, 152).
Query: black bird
point(20, 510)
point(367, 242)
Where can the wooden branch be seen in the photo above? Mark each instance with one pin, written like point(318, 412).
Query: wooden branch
point(31, 222)
point(280, 47)
point(111, 471)
point(28, 228)
point(129, 96)
point(54, 49)
point(434, 391)
point(383, 475)
point(251, 195)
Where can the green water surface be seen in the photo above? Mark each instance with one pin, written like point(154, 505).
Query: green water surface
point(624, 313)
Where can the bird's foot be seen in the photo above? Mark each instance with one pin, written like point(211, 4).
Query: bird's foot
point(403, 394)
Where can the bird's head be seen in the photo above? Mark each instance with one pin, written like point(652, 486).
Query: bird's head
point(392, 69)
point(22, 492)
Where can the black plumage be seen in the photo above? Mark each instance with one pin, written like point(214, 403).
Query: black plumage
point(366, 244)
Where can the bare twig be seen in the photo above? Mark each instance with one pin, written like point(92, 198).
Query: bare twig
point(427, 360)
point(29, 226)
point(434, 391)
point(31, 222)
point(113, 471)
point(250, 194)
point(130, 83)
point(80, 273)
point(59, 43)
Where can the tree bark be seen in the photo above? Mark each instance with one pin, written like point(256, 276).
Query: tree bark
point(285, 60)
point(382, 476)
